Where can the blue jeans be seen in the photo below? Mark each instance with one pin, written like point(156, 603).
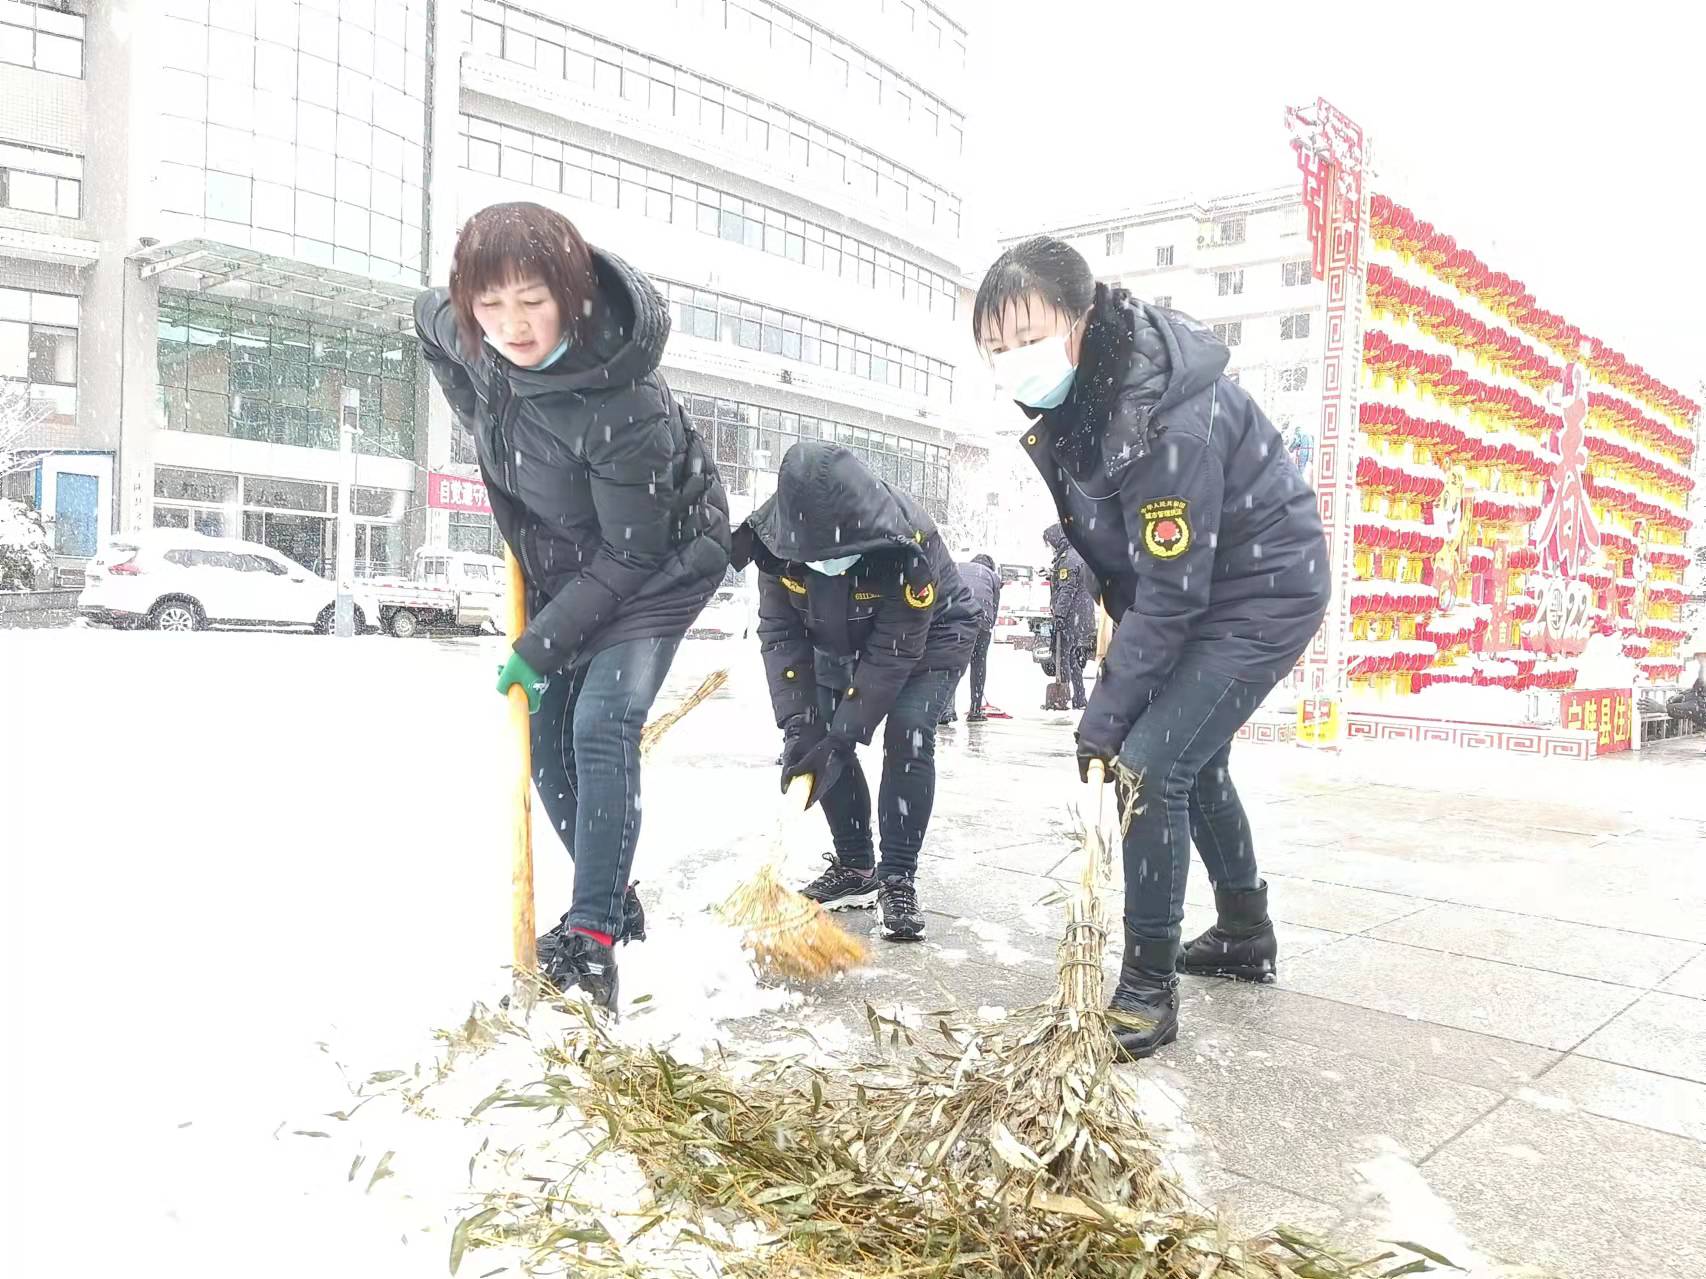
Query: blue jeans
point(586, 765)
point(908, 790)
point(1179, 748)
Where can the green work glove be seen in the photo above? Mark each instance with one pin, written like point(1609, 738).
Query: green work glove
point(517, 671)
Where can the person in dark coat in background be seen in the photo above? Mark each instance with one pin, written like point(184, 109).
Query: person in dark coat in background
point(862, 619)
point(984, 583)
point(548, 352)
point(1181, 497)
point(1072, 612)
point(1690, 707)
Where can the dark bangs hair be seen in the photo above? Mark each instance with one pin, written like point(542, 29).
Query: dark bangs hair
point(1044, 268)
point(504, 243)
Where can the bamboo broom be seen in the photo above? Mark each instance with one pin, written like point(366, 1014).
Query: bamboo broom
point(788, 934)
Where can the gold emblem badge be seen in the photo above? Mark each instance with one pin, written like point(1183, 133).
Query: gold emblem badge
point(1167, 527)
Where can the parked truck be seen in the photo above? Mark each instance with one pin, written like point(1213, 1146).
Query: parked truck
point(445, 590)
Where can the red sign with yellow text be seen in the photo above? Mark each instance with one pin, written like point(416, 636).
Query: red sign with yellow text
point(1606, 713)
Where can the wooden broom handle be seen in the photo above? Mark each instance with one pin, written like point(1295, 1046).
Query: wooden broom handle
point(522, 931)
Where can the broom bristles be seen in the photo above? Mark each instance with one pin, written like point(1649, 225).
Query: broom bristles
point(788, 934)
point(654, 731)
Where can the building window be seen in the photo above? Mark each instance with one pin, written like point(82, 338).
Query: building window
point(43, 37)
point(1293, 327)
point(1228, 283)
point(39, 180)
point(747, 438)
point(721, 318)
point(471, 531)
point(588, 175)
point(1293, 274)
point(228, 369)
point(710, 106)
point(1231, 333)
point(1164, 255)
point(463, 450)
point(1229, 231)
point(297, 133)
point(38, 350)
point(1164, 300)
point(1114, 243)
point(1294, 379)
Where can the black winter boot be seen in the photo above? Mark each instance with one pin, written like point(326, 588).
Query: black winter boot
point(1145, 1007)
point(632, 928)
point(588, 965)
point(1241, 945)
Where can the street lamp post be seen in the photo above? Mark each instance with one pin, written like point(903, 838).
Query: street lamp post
point(345, 607)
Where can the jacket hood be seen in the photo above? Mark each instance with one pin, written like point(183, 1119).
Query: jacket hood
point(1055, 536)
point(628, 330)
point(828, 504)
point(1173, 356)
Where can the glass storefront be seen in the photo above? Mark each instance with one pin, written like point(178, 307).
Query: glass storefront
point(294, 517)
point(230, 369)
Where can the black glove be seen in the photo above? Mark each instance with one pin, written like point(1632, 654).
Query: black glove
point(1088, 752)
point(799, 735)
point(824, 762)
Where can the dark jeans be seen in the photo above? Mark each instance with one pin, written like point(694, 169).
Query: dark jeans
point(1179, 749)
point(1069, 658)
point(908, 790)
point(979, 673)
point(586, 765)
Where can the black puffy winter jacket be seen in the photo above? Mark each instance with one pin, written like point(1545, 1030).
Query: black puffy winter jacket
point(1072, 590)
point(1180, 495)
point(597, 481)
point(902, 608)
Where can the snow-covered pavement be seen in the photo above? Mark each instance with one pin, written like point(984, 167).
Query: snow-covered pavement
point(245, 871)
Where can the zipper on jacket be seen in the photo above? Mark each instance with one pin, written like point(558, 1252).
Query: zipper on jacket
point(504, 447)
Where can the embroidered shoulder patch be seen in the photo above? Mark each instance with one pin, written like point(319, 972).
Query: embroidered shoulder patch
point(1064, 574)
point(1166, 527)
point(796, 587)
point(923, 598)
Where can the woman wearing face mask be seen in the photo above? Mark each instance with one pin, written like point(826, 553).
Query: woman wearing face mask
point(547, 350)
point(1181, 497)
point(862, 619)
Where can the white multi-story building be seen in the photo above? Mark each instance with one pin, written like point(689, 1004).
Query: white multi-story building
point(790, 183)
point(214, 215)
point(1239, 263)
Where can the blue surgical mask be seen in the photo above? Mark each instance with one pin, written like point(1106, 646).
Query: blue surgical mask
point(1039, 375)
point(833, 568)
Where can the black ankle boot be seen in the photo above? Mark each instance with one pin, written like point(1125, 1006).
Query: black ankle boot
point(1145, 1007)
point(1241, 945)
point(585, 964)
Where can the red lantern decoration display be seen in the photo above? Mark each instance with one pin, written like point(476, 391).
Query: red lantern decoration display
point(1534, 477)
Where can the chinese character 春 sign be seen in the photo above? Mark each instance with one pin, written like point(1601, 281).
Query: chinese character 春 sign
point(456, 493)
point(1606, 713)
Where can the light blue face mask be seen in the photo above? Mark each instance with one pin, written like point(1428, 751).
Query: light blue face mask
point(547, 362)
point(833, 568)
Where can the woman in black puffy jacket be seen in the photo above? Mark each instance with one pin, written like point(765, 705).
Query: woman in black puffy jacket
point(548, 351)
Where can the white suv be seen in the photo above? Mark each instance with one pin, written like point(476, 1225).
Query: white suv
point(173, 580)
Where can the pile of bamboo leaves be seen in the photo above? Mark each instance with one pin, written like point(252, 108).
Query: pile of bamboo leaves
point(1011, 1151)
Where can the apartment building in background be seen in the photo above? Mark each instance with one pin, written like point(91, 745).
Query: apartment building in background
point(1238, 263)
point(215, 215)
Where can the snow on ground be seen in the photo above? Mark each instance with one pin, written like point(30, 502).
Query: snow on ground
point(247, 872)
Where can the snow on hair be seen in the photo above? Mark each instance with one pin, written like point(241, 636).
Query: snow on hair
point(504, 243)
point(1039, 269)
